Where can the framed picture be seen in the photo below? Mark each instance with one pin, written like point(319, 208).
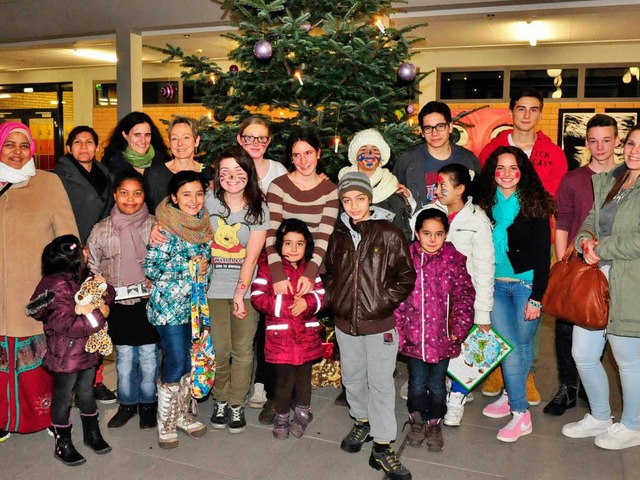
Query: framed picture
point(572, 133)
point(626, 119)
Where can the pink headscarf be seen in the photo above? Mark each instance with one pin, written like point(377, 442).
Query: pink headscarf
point(8, 128)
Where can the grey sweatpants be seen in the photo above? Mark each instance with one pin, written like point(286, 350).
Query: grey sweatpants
point(368, 362)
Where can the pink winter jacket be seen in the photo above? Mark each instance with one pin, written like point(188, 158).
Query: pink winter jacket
point(440, 305)
point(288, 340)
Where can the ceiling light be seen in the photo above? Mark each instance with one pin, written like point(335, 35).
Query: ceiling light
point(96, 55)
point(626, 78)
point(557, 93)
point(554, 72)
point(5, 95)
point(27, 89)
point(635, 71)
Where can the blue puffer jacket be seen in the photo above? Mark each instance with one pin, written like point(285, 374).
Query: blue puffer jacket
point(440, 306)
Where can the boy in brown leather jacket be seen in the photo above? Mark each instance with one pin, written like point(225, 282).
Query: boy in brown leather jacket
point(369, 272)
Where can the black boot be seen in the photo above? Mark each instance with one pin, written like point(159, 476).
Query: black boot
point(64, 449)
point(92, 436)
point(564, 399)
point(148, 413)
point(123, 415)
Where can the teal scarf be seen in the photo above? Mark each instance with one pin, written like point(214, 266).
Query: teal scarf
point(504, 213)
point(139, 160)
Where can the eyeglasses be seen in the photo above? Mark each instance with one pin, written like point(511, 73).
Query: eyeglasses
point(427, 129)
point(249, 139)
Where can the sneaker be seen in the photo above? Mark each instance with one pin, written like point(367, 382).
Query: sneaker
point(587, 427)
point(50, 431)
point(415, 437)
point(618, 437)
point(433, 434)
point(533, 395)
point(404, 390)
point(498, 409)
point(259, 397)
point(493, 384)
point(358, 435)
point(237, 423)
point(103, 394)
point(455, 409)
point(564, 399)
point(518, 426)
point(470, 398)
point(388, 461)
point(4, 436)
point(220, 416)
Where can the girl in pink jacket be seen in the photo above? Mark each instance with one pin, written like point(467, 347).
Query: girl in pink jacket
point(432, 323)
point(293, 332)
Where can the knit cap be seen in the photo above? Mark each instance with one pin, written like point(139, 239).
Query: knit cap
point(355, 181)
point(369, 136)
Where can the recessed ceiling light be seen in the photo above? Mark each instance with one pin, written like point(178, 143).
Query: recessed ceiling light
point(96, 55)
point(27, 89)
point(199, 50)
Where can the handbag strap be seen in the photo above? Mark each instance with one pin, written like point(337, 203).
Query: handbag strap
point(200, 318)
point(6, 187)
point(571, 249)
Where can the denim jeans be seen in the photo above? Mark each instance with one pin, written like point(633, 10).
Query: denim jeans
point(137, 369)
point(507, 317)
point(176, 351)
point(427, 388)
point(588, 346)
point(64, 384)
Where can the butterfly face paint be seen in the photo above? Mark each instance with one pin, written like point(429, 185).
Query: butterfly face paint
point(233, 178)
point(368, 158)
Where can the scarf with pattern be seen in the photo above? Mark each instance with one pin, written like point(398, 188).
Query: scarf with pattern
point(192, 229)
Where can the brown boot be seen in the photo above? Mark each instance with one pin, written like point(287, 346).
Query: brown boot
point(415, 437)
point(267, 414)
point(533, 395)
point(494, 384)
point(433, 433)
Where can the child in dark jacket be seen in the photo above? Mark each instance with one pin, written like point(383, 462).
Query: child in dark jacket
point(64, 264)
point(292, 340)
point(432, 324)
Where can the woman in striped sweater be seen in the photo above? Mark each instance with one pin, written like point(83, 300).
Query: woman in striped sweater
point(304, 194)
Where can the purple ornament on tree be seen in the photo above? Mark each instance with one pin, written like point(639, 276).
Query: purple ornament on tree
point(407, 71)
point(233, 68)
point(410, 109)
point(263, 50)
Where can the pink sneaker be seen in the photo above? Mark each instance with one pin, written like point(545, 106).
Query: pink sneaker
point(498, 409)
point(518, 426)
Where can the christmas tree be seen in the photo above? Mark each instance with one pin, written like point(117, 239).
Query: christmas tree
point(331, 65)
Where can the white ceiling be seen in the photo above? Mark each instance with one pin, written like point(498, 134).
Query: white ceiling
point(450, 25)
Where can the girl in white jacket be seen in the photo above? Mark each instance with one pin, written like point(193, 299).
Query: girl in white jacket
point(470, 232)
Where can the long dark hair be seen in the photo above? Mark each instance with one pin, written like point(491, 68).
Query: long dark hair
point(302, 134)
point(535, 201)
point(117, 142)
point(64, 254)
point(459, 175)
point(78, 130)
point(182, 178)
point(253, 196)
point(623, 178)
point(298, 226)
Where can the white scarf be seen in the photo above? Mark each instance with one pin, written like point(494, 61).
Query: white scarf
point(11, 175)
point(383, 182)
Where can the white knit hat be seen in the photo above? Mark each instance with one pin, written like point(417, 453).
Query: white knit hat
point(369, 136)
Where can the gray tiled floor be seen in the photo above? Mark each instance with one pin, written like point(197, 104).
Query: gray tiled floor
point(471, 452)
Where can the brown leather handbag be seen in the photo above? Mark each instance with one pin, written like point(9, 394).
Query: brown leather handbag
point(577, 292)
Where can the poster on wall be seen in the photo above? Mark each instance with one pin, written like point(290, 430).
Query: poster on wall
point(572, 133)
point(626, 119)
point(480, 127)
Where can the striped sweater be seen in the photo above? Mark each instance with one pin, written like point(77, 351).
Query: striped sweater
point(317, 207)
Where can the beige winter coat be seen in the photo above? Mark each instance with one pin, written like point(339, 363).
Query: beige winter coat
point(31, 215)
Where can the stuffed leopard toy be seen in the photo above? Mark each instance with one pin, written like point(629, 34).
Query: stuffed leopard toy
point(88, 299)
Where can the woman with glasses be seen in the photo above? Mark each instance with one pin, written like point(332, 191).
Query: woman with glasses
point(418, 168)
point(254, 136)
point(183, 142)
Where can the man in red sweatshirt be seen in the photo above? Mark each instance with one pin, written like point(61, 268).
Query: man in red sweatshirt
point(548, 159)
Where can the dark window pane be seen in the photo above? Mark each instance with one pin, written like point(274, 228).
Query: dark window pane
point(470, 85)
point(189, 94)
point(564, 85)
point(106, 94)
point(154, 93)
point(610, 83)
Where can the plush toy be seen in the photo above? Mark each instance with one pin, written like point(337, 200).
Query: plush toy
point(88, 299)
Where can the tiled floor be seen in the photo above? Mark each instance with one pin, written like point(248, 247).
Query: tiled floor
point(471, 451)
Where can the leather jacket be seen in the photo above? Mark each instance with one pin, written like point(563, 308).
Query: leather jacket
point(368, 273)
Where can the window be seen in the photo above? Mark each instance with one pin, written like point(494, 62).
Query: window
point(552, 83)
point(472, 85)
point(612, 82)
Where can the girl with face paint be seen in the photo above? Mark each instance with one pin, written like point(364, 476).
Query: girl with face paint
point(512, 195)
point(240, 220)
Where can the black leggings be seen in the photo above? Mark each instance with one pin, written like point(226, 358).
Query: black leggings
point(288, 378)
point(64, 384)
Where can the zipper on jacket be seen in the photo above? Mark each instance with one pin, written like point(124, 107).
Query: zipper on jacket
point(354, 320)
point(422, 323)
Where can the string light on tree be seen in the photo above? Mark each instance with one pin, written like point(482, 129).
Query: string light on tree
point(380, 25)
point(298, 75)
point(336, 142)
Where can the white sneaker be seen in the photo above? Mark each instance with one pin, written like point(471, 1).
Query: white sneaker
point(618, 437)
point(455, 409)
point(587, 427)
point(259, 397)
point(404, 390)
point(470, 398)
